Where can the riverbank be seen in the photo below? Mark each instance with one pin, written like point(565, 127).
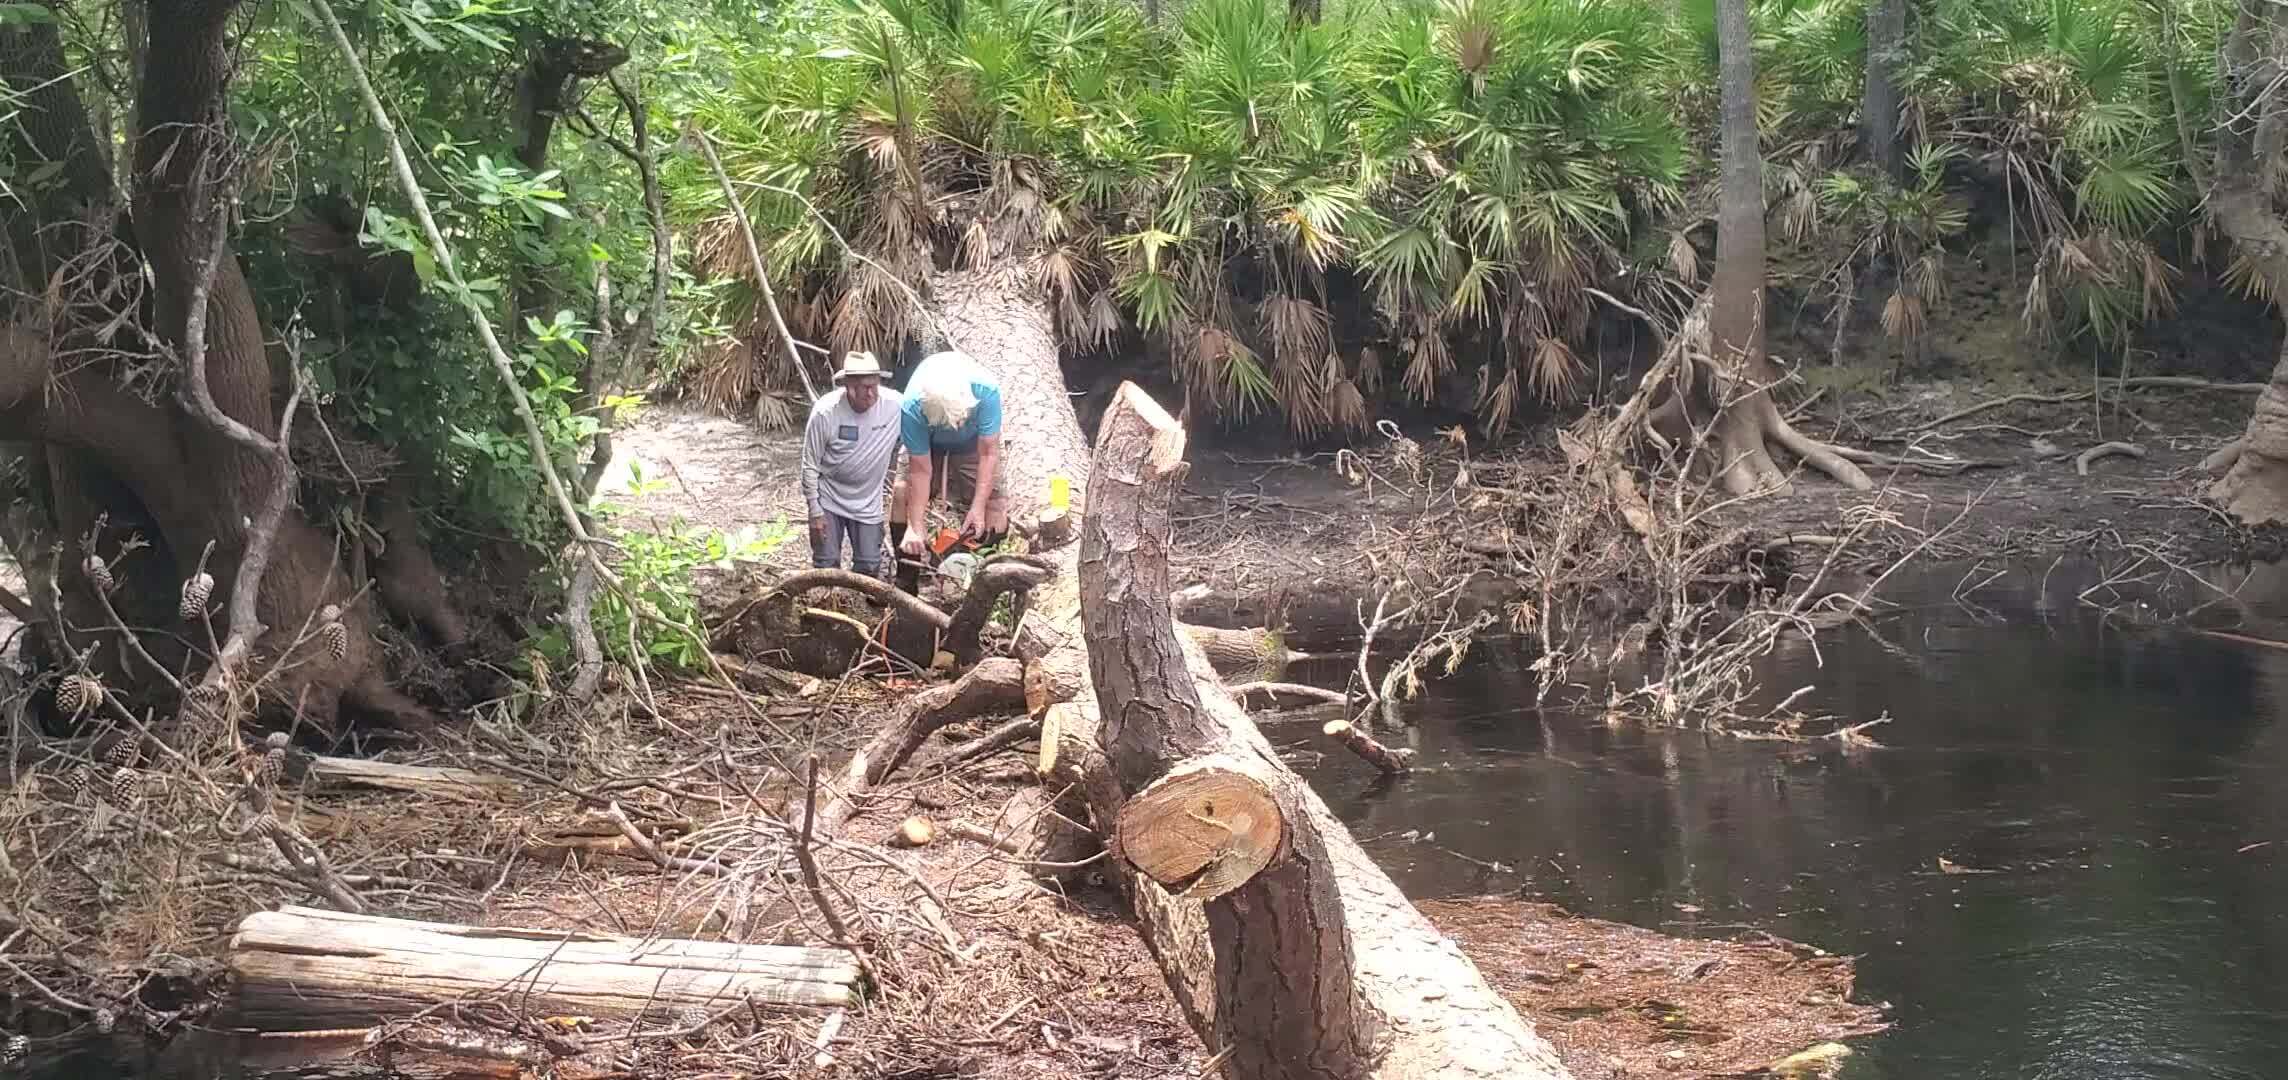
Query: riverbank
point(1984, 469)
point(1050, 975)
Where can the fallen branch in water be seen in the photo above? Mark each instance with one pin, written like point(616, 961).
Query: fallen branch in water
point(1276, 690)
point(1369, 749)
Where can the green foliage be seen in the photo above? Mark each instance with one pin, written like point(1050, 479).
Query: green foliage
point(1468, 169)
point(656, 566)
point(1476, 163)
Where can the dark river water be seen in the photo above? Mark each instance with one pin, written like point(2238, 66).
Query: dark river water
point(2124, 783)
point(2129, 787)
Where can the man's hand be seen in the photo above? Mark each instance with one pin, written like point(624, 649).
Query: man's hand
point(911, 547)
point(973, 525)
point(818, 529)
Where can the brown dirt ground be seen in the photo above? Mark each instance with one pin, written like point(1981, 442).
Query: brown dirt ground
point(1022, 979)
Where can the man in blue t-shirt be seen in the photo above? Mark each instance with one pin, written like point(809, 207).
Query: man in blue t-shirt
point(951, 413)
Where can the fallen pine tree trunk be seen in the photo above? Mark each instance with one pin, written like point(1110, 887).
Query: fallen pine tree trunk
point(305, 969)
point(1320, 967)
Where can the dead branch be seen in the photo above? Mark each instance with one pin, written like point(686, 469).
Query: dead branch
point(1391, 762)
point(795, 584)
point(738, 212)
point(992, 685)
point(1275, 691)
point(2135, 382)
point(996, 580)
point(2097, 453)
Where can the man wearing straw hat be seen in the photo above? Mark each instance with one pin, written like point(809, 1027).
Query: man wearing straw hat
point(846, 454)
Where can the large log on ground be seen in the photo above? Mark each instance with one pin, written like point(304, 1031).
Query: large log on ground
point(302, 969)
point(1290, 951)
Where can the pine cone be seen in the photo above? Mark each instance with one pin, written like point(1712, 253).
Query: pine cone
point(692, 1016)
point(78, 692)
point(98, 572)
point(205, 695)
point(196, 590)
point(124, 753)
point(336, 635)
point(78, 780)
point(17, 1046)
point(274, 765)
point(124, 783)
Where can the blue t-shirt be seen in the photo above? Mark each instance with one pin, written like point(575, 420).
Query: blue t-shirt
point(921, 437)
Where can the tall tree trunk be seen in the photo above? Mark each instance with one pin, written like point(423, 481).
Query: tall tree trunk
point(1879, 108)
point(1361, 986)
point(2254, 487)
point(1737, 376)
point(149, 467)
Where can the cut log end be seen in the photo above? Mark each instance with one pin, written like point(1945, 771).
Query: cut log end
point(1205, 830)
point(1053, 529)
point(1168, 439)
point(914, 832)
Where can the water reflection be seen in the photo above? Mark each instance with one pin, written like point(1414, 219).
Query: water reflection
point(2120, 781)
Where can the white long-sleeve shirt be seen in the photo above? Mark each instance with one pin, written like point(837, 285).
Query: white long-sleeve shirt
point(846, 455)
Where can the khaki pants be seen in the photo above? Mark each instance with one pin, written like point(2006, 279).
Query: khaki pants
point(956, 475)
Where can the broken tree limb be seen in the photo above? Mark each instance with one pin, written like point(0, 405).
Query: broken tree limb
point(993, 685)
point(301, 969)
point(1278, 693)
point(876, 589)
point(1011, 734)
point(463, 785)
point(2101, 451)
point(1369, 749)
point(1315, 964)
point(998, 579)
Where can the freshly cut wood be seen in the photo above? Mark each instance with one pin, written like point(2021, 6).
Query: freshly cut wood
point(1207, 826)
point(1292, 953)
point(462, 784)
point(915, 831)
point(303, 969)
point(1370, 749)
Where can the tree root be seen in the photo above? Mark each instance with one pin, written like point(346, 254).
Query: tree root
point(1819, 455)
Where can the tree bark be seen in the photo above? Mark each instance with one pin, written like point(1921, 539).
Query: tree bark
point(1736, 382)
point(151, 467)
point(1316, 966)
point(1396, 998)
point(2254, 487)
point(1879, 107)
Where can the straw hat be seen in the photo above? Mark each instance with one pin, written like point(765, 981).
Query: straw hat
point(858, 363)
